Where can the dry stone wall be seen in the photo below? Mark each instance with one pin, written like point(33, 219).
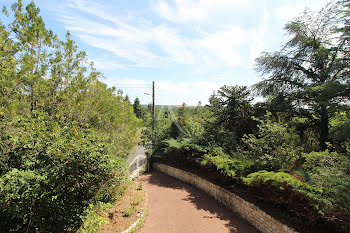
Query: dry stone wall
point(251, 213)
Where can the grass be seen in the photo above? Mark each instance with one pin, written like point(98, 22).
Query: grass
point(129, 211)
point(136, 201)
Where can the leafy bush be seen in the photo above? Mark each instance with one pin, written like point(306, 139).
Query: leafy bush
point(274, 147)
point(63, 133)
point(52, 174)
point(94, 217)
point(340, 126)
point(229, 166)
point(280, 180)
point(182, 144)
point(285, 182)
point(330, 171)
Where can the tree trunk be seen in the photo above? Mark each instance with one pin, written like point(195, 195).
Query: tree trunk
point(324, 130)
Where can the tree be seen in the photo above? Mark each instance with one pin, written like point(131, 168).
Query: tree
point(231, 116)
point(345, 30)
point(311, 68)
point(137, 108)
point(274, 146)
point(127, 99)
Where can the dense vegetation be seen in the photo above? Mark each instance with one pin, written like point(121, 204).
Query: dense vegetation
point(292, 149)
point(63, 134)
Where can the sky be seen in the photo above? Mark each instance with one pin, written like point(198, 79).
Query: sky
point(188, 47)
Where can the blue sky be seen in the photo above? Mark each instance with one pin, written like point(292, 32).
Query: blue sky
point(188, 47)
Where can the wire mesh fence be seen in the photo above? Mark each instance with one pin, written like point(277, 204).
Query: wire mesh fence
point(137, 164)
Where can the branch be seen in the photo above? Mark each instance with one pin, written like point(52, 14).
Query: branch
point(308, 73)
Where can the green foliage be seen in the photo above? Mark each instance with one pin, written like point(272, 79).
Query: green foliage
point(300, 150)
point(157, 129)
point(51, 174)
point(136, 202)
point(138, 108)
point(187, 122)
point(231, 117)
point(173, 143)
point(284, 181)
point(63, 133)
point(94, 218)
point(340, 126)
point(330, 171)
point(182, 144)
point(228, 166)
point(311, 69)
point(325, 182)
point(274, 147)
point(279, 180)
point(129, 211)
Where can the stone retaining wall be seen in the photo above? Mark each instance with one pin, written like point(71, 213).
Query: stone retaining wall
point(251, 213)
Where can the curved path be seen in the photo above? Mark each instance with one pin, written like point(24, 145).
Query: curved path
point(177, 207)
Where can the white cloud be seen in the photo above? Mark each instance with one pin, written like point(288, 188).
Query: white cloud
point(182, 11)
point(176, 47)
point(152, 42)
point(152, 45)
point(137, 54)
point(288, 12)
point(260, 36)
point(106, 63)
point(222, 44)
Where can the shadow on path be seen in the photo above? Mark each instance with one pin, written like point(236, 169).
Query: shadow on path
point(184, 208)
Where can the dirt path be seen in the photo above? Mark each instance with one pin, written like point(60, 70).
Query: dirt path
point(177, 207)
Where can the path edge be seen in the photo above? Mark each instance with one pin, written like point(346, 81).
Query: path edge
point(139, 222)
point(251, 213)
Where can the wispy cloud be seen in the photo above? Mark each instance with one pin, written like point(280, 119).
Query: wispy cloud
point(184, 11)
point(215, 41)
point(106, 62)
point(260, 36)
point(289, 11)
point(154, 43)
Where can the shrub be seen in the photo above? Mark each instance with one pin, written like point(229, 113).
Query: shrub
point(62, 131)
point(330, 171)
point(229, 166)
point(129, 211)
point(285, 182)
point(94, 218)
point(274, 147)
point(187, 144)
point(52, 174)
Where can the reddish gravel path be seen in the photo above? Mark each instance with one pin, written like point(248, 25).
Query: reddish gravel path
point(177, 207)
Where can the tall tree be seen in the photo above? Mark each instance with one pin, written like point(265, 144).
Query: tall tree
point(311, 67)
point(137, 108)
point(231, 111)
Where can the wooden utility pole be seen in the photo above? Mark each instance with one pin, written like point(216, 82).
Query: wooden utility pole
point(153, 105)
point(153, 123)
point(153, 115)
